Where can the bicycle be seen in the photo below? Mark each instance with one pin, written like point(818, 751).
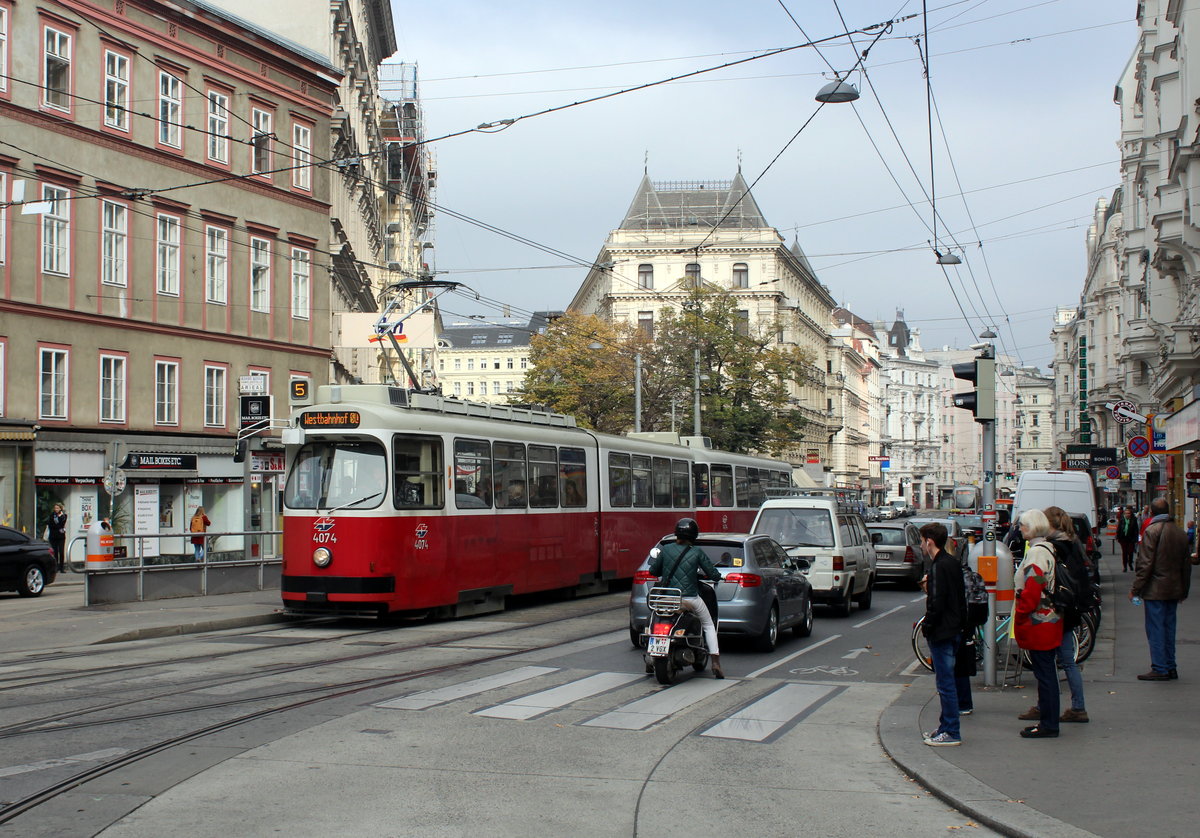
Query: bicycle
point(1085, 640)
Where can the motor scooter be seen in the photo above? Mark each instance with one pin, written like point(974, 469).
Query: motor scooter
point(674, 637)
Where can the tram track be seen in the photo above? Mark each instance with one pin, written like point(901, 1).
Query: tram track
point(52, 722)
point(305, 697)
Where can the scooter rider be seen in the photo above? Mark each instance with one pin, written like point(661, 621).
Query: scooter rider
point(683, 561)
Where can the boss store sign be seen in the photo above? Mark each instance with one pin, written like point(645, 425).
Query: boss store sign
point(145, 461)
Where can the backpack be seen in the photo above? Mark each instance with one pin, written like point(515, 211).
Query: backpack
point(1074, 592)
point(977, 597)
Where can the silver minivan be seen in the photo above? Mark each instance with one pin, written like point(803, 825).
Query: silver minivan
point(833, 539)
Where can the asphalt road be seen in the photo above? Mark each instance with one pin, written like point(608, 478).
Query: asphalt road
point(538, 721)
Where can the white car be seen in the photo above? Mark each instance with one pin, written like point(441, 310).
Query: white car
point(833, 539)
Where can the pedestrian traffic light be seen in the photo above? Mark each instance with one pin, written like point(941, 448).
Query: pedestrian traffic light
point(982, 401)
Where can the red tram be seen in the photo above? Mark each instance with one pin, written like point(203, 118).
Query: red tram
point(406, 502)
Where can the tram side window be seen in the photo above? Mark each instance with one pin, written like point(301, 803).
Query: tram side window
point(642, 494)
point(681, 486)
point(721, 486)
point(472, 474)
point(757, 495)
point(662, 481)
point(700, 478)
point(543, 476)
point(618, 480)
point(418, 470)
point(572, 469)
point(741, 479)
point(508, 462)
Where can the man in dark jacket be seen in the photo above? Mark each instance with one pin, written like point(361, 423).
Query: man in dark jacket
point(1162, 576)
point(679, 565)
point(945, 620)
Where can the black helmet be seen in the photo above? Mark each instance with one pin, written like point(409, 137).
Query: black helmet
point(687, 529)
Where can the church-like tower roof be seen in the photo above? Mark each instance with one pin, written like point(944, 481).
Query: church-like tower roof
point(701, 204)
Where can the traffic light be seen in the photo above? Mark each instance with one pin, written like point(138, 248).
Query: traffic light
point(981, 402)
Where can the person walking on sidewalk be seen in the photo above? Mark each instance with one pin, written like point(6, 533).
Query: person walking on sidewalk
point(198, 527)
point(1161, 578)
point(1127, 537)
point(945, 620)
point(1066, 545)
point(57, 530)
point(1037, 625)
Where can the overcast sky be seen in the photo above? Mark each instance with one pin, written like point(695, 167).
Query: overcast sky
point(1023, 93)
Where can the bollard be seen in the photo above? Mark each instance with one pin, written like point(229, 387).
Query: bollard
point(99, 546)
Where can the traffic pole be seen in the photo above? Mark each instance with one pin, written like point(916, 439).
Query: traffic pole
point(988, 557)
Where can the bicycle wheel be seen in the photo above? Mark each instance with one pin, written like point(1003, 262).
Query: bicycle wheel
point(1085, 638)
point(920, 645)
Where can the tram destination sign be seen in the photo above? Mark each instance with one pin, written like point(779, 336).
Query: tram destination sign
point(330, 419)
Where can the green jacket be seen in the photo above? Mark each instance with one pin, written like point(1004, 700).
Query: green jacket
point(685, 575)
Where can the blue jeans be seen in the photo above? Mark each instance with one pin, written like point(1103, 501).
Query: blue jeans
point(1066, 660)
point(1042, 664)
point(1160, 632)
point(943, 653)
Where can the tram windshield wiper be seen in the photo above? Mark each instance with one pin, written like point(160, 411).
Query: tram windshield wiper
point(354, 502)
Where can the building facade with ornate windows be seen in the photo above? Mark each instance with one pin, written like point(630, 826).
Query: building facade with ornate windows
point(1033, 434)
point(151, 256)
point(487, 362)
point(854, 362)
point(677, 236)
point(912, 423)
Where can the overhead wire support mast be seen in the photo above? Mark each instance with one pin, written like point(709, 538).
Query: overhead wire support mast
point(387, 328)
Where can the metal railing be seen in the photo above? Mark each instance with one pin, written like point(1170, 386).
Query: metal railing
point(250, 561)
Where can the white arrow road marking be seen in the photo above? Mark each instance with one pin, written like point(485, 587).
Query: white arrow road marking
point(854, 653)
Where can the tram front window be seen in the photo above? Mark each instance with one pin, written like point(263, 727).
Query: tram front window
point(337, 475)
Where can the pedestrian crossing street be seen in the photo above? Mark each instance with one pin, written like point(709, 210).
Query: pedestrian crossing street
point(763, 719)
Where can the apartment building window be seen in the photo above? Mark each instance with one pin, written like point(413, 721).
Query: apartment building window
point(741, 323)
point(457, 364)
point(170, 110)
point(301, 156)
point(692, 272)
point(509, 359)
point(646, 323)
point(3, 383)
point(114, 243)
point(471, 364)
point(508, 386)
point(52, 384)
point(483, 388)
point(218, 127)
point(741, 275)
point(216, 265)
point(470, 388)
point(301, 271)
point(56, 230)
point(56, 70)
point(261, 141)
point(166, 392)
point(116, 91)
point(3, 216)
point(112, 388)
point(458, 388)
point(646, 277)
point(495, 388)
point(524, 363)
point(167, 247)
point(214, 397)
point(260, 275)
point(3, 51)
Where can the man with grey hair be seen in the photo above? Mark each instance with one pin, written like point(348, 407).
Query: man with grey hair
point(1162, 576)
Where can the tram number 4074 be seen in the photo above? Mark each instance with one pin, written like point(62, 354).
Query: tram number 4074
point(324, 538)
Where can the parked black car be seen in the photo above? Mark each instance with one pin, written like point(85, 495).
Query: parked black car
point(27, 565)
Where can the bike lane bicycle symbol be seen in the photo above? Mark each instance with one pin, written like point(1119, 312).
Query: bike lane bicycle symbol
point(840, 671)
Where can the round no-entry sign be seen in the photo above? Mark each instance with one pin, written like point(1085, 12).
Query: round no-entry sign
point(1138, 446)
point(1112, 472)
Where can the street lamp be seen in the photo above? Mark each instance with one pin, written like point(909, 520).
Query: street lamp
point(837, 92)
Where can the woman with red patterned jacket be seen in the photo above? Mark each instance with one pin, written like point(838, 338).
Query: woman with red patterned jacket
point(1038, 627)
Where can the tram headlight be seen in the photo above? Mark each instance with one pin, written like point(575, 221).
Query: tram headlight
point(322, 557)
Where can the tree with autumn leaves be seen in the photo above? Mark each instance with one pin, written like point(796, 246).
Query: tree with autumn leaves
point(583, 365)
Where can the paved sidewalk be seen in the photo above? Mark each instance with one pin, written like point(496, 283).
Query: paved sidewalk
point(1128, 772)
point(59, 618)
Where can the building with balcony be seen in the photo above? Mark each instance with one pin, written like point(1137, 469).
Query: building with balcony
point(679, 236)
point(162, 236)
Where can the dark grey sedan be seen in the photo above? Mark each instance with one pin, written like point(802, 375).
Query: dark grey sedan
point(898, 556)
point(763, 589)
point(26, 564)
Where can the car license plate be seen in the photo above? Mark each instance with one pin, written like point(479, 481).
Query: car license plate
point(659, 646)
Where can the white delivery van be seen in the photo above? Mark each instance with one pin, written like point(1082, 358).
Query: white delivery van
point(1072, 491)
point(833, 539)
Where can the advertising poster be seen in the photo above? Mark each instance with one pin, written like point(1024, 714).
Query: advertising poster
point(145, 517)
point(87, 511)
